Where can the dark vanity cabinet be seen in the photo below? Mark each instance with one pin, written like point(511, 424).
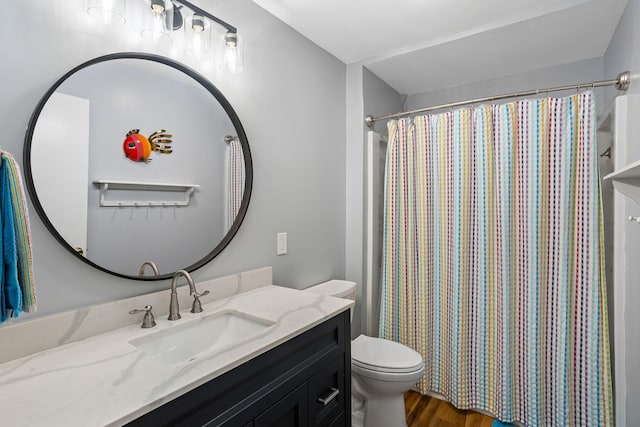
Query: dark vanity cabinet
point(305, 381)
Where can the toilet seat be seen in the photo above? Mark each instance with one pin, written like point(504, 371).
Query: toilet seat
point(376, 368)
point(376, 355)
point(388, 377)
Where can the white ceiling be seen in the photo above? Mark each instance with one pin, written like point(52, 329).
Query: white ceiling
point(424, 45)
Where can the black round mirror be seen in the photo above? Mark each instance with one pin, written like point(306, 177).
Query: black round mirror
point(132, 159)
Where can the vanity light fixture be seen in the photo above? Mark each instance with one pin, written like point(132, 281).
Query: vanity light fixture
point(161, 17)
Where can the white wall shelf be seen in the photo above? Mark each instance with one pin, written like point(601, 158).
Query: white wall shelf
point(627, 181)
point(106, 185)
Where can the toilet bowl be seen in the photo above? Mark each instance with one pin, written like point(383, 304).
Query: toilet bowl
point(381, 370)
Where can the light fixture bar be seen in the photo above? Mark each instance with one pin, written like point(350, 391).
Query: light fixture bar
point(230, 28)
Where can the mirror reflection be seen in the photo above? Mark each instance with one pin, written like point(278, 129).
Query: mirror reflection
point(133, 160)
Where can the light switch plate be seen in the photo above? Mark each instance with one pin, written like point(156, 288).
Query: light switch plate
point(282, 243)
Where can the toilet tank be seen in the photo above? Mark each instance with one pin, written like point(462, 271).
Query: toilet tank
point(335, 288)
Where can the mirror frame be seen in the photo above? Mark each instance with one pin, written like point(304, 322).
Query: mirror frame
point(212, 90)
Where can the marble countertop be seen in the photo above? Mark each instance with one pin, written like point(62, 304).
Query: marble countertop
point(104, 380)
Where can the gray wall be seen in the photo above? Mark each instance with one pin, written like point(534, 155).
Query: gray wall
point(289, 91)
point(354, 191)
point(578, 72)
point(379, 99)
point(366, 94)
point(623, 54)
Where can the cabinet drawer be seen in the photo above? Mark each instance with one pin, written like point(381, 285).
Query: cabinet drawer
point(290, 411)
point(327, 393)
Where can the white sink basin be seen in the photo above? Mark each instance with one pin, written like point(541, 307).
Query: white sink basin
point(210, 334)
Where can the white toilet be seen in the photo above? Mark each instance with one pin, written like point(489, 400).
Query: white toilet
point(381, 370)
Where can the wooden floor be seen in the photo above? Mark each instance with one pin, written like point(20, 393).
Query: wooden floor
point(426, 411)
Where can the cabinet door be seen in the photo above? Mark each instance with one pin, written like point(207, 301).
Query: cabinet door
point(290, 411)
point(327, 394)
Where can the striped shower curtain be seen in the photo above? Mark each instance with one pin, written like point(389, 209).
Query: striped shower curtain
point(493, 259)
point(234, 182)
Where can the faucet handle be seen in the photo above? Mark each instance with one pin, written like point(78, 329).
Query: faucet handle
point(196, 294)
point(147, 321)
point(197, 305)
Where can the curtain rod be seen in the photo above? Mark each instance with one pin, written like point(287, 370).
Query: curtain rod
point(621, 83)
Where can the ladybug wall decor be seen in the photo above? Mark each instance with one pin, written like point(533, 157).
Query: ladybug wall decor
point(138, 148)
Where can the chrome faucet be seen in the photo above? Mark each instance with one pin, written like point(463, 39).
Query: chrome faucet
point(148, 321)
point(151, 264)
point(174, 309)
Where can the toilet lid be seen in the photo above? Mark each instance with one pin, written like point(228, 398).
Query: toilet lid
point(383, 355)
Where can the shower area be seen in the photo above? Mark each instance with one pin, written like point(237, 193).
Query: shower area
point(373, 293)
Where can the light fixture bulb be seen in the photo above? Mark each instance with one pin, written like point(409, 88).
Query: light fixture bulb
point(231, 40)
point(232, 59)
point(157, 21)
point(157, 6)
point(197, 36)
point(197, 23)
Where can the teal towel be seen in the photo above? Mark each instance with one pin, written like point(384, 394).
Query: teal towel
point(498, 423)
point(22, 234)
point(11, 300)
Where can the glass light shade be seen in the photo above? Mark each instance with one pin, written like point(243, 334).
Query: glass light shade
point(197, 35)
point(232, 51)
point(107, 11)
point(157, 20)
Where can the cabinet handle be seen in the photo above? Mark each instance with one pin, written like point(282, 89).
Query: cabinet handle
point(326, 400)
